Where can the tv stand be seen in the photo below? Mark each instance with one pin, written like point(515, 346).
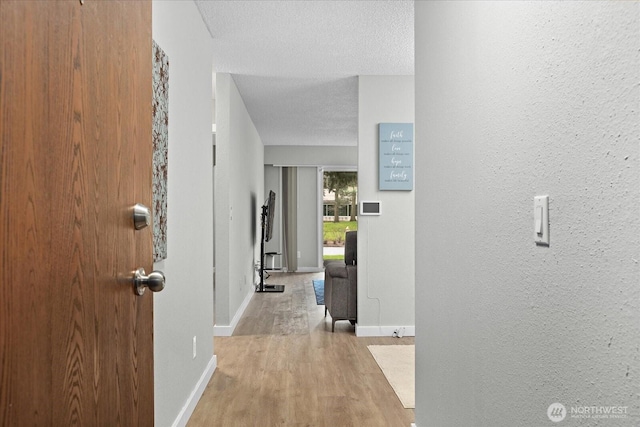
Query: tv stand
point(263, 287)
point(271, 288)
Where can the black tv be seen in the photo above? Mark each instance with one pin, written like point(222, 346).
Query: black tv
point(271, 209)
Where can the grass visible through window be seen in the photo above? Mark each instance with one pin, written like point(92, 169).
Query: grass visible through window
point(334, 235)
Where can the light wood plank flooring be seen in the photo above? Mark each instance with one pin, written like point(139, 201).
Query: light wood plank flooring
point(284, 367)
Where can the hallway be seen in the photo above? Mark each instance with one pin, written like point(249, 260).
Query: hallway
point(283, 366)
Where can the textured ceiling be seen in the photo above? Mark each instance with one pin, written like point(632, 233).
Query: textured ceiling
point(295, 62)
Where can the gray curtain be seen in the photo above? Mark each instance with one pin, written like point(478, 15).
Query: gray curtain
point(290, 217)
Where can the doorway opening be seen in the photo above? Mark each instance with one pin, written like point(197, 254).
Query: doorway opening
point(339, 211)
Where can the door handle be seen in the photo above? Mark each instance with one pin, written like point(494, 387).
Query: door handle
point(154, 281)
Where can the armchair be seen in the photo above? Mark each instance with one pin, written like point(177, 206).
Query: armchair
point(341, 284)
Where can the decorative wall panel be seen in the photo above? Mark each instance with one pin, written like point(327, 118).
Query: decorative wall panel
point(160, 150)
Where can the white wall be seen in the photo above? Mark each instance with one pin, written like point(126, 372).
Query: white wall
point(287, 155)
point(273, 181)
point(184, 309)
point(239, 194)
point(308, 219)
point(385, 243)
point(308, 159)
point(513, 100)
point(308, 242)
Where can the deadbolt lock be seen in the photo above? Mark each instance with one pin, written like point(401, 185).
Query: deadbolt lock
point(141, 216)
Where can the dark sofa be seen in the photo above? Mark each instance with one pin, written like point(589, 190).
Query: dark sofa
point(341, 284)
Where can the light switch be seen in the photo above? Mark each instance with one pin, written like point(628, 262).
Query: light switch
point(541, 220)
point(538, 215)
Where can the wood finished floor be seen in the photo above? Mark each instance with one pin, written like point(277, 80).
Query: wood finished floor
point(284, 367)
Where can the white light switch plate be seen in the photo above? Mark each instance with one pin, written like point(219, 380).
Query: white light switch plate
point(541, 220)
point(195, 348)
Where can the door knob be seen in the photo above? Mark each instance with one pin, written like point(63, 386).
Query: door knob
point(154, 281)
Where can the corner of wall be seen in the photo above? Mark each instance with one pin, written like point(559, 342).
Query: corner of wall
point(180, 316)
point(237, 219)
point(192, 401)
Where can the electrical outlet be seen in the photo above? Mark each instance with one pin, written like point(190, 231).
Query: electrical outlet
point(299, 256)
point(398, 333)
point(194, 347)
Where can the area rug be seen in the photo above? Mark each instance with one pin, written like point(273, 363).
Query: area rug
point(397, 363)
point(318, 287)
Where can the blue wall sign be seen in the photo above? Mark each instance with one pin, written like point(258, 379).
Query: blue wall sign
point(396, 156)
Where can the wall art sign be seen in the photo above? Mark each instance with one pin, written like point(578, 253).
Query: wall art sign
point(160, 150)
point(395, 156)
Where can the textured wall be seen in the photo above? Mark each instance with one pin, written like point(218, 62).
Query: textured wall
point(184, 309)
point(513, 100)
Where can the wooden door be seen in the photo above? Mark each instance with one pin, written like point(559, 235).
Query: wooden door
point(75, 155)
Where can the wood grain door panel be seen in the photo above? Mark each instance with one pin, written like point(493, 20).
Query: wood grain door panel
point(75, 156)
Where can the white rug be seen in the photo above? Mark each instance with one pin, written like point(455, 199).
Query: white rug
point(398, 362)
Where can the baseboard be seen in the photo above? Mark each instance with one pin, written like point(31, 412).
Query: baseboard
point(309, 269)
point(384, 331)
point(227, 330)
point(196, 394)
